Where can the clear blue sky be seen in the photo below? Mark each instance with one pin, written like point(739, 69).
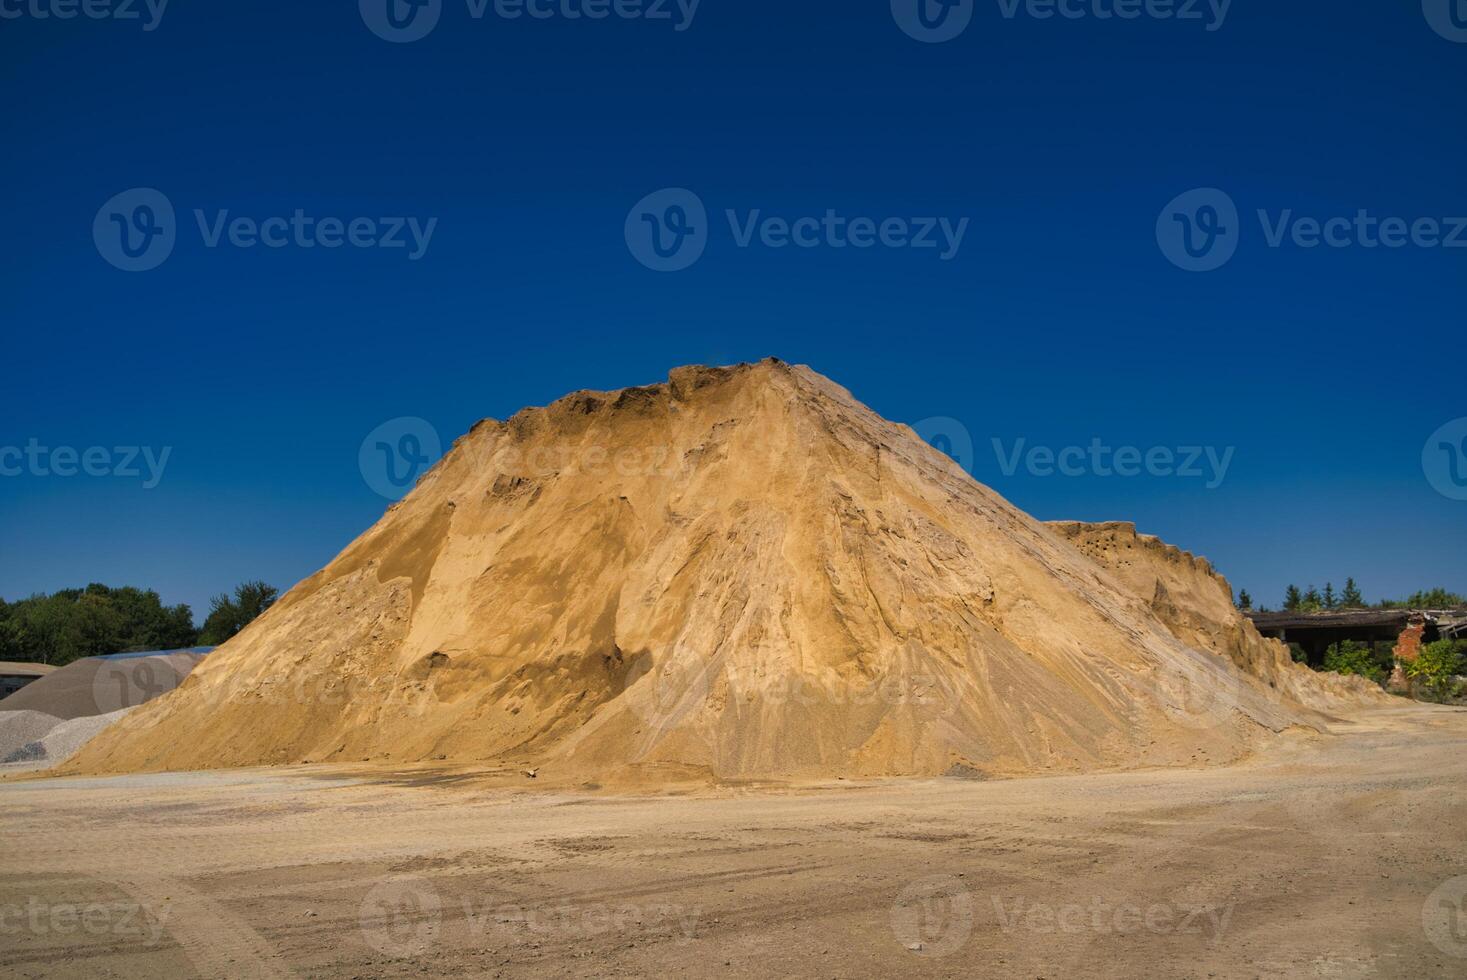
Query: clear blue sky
point(1059, 321)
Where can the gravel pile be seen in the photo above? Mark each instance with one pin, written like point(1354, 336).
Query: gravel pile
point(98, 685)
point(62, 741)
point(19, 728)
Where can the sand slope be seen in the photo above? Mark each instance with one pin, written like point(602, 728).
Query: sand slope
point(1196, 604)
point(741, 572)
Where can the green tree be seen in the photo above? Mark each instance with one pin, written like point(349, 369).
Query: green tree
point(1330, 602)
point(1436, 665)
point(1354, 658)
point(1292, 599)
point(1245, 601)
point(227, 616)
point(1436, 599)
point(72, 623)
point(1351, 597)
point(1311, 601)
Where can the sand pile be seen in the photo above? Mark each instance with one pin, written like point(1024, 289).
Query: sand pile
point(100, 685)
point(741, 572)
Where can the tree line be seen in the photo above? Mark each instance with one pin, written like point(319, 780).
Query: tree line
point(1313, 600)
point(74, 623)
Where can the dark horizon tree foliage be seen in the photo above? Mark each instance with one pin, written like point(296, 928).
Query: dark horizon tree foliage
point(70, 624)
point(1350, 598)
point(227, 616)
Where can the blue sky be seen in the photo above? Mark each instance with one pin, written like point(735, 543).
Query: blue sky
point(526, 142)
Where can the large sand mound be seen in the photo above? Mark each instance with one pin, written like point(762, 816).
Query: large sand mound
point(742, 572)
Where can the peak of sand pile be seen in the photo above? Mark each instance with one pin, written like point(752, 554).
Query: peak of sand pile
point(740, 572)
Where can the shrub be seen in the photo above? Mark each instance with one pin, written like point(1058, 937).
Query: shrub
point(1437, 666)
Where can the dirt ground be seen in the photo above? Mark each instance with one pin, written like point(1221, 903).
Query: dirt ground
point(1330, 856)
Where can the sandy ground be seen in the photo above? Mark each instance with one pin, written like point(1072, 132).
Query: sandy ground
point(1317, 859)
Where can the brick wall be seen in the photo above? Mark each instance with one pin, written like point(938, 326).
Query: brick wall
point(1408, 644)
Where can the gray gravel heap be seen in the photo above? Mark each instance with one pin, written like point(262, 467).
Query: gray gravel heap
point(19, 728)
point(63, 741)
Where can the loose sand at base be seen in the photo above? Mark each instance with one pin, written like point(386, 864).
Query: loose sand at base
point(1314, 859)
